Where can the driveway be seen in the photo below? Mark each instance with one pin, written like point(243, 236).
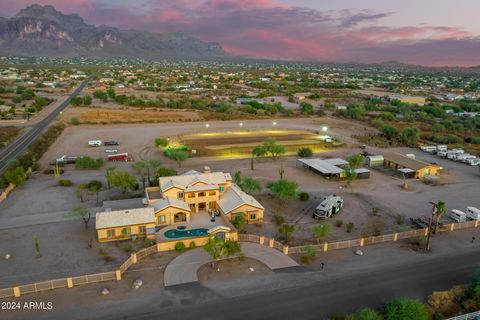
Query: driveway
point(183, 269)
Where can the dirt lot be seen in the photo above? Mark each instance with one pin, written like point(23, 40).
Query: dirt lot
point(129, 115)
point(232, 268)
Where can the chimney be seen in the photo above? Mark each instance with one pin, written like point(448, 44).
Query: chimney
point(206, 169)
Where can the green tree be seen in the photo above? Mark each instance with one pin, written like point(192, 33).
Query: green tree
point(152, 166)
point(410, 136)
point(306, 108)
point(273, 148)
point(403, 308)
point(16, 176)
point(321, 231)
point(161, 142)
point(218, 248)
point(166, 172)
point(82, 213)
point(367, 314)
point(259, 151)
point(286, 230)
point(141, 168)
point(239, 222)
point(305, 152)
point(179, 156)
point(390, 131)
point(309, 253)
point(284, 189)
point(123, 180)
point(102, 95)
point(250, 185)
point(350, 175)
point(237, 177)
point(356, 161)
point(474, 286)
point(81, 192)
point(95, 187)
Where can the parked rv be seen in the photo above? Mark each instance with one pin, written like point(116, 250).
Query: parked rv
point(473, 213)
point(118, 157)
point(328, 207)
point(458, 216)
point(473, 162)
point(429, 149)
point(442, 148)
point(95, 143)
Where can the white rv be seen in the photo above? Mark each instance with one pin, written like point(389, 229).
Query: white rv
point(442, 154)
point(329, 206)
point(473, 213)
point(458, 216)
point(464, 157)
point(95, 143)
point(429, 149)
point(442, 148)
point(473, 162)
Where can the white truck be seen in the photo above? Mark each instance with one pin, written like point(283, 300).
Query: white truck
point(452, 154)
point(95, 143)
point(442, 148)
point(328, 207)
point(473, 213)
point(458, 216)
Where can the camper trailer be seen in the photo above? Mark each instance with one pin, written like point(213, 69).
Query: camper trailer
point(442, 148)
point(458, 216)
point(473, 162)
point(328, 207)
point(473, 213)
point(429, 149)
point(95, 143)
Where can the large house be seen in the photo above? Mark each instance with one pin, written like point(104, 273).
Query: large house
point(175, 200)
point(177, 197)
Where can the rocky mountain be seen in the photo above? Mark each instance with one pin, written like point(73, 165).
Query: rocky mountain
point(43, 31)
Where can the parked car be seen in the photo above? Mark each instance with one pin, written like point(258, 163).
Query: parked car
point(111, 143)
point(111, 151)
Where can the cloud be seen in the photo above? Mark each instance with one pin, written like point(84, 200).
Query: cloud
point(269, 28)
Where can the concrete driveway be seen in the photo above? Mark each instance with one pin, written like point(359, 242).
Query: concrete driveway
point(183, 269)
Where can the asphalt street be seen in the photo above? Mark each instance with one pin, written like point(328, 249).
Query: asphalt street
point(321, 300)
point(20, 145)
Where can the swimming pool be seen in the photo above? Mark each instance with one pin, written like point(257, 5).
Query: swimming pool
point(184, 233)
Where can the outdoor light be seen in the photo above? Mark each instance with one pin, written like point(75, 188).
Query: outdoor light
point(274, 123)
point(241, 124)
point(207, 125)
point(324, 129)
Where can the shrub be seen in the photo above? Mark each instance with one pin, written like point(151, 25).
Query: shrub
point(192, 245)
point(74, 121)
point(279, 220)
point(161, 142)
point(88, 163)
point(339, 223)
point(65, 183)
point(350, 227)
point(147, 242)
point(310, 252)
point(127, 247)
point(304, 196)
point(403, 308)
point(400, 219)
point(305, 152)
point(180, 246)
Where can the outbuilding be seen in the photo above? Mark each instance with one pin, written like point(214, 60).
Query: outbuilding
point(417, 168)
point(374, 161)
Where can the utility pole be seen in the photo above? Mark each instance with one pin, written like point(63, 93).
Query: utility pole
point(434, 211)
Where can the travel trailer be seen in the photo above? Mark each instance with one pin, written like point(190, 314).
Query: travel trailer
point(95, 143)
point(329, 206)
point(458, 216)
point(473, 213)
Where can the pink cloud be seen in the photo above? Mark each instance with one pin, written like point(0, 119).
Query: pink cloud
point(269, 28)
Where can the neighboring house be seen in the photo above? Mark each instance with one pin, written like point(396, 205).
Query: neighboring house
point(178, 197)
point(125, 224)
point(409, 166)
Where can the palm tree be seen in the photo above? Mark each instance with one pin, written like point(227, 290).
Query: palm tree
point(441, 210)
point(140, 167)
point(153, 164)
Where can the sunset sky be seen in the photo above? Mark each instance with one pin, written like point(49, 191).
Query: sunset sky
point(427, 32)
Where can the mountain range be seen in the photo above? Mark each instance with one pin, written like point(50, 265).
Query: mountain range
point(43, 31)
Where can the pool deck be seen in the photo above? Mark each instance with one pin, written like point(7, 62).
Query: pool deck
point(197, 220)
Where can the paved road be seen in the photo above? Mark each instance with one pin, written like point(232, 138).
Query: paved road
point(325, 298)
point(18, 147)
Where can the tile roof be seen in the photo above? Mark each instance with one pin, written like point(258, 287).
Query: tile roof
point(166, 202)
point(183, 181)
point(234, 197)
point(121, 218)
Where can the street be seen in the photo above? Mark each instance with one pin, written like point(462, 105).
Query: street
point(19, 145)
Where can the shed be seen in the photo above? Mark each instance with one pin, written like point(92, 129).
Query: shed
point(362, 173)
point(374, 161)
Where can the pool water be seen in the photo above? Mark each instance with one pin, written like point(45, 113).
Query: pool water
point(184, 233)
